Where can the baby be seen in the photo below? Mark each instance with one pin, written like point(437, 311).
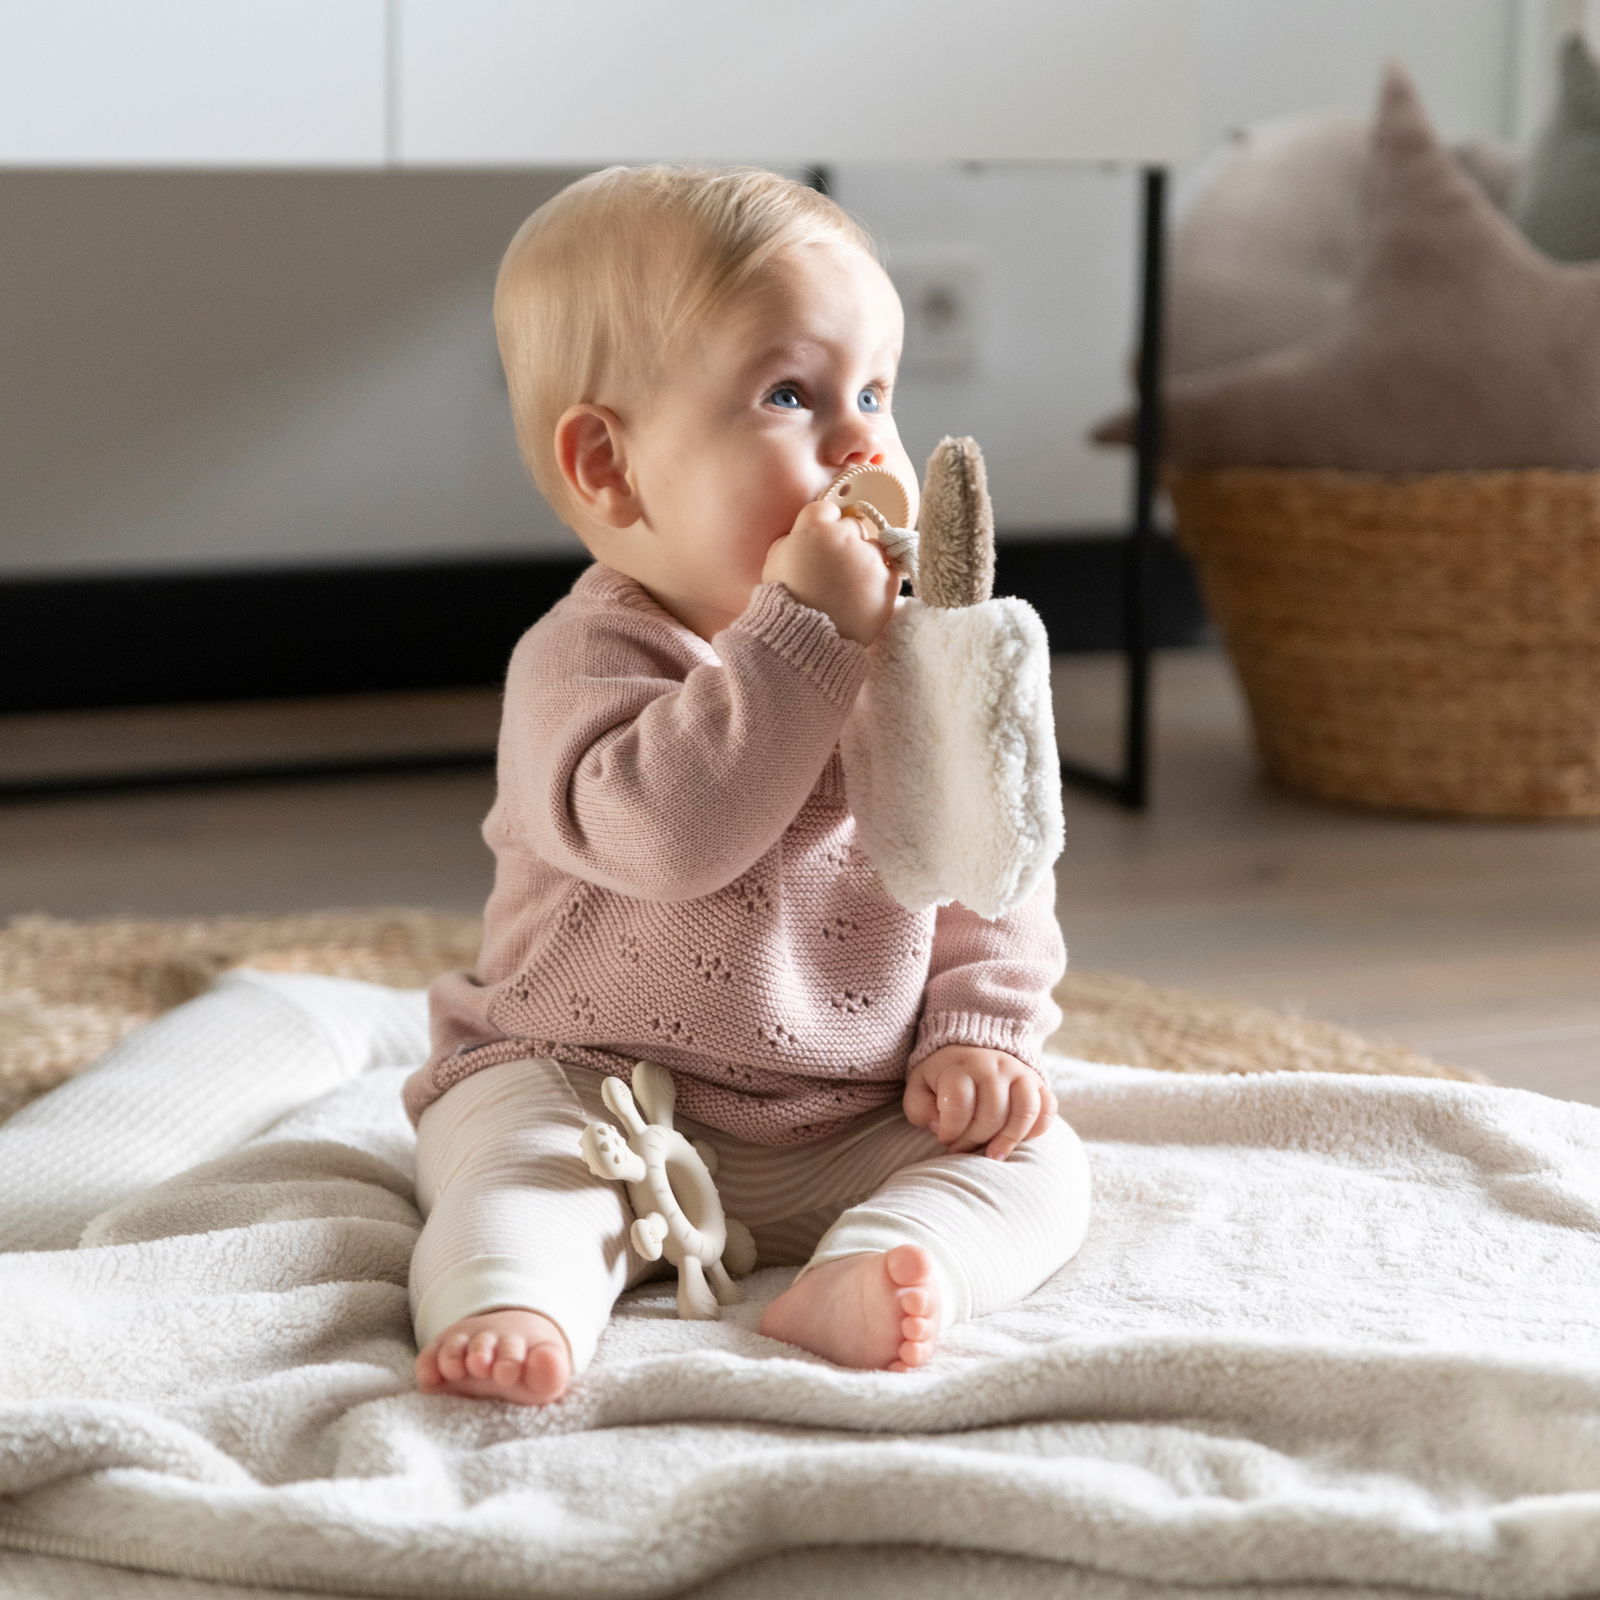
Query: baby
point(693, 356)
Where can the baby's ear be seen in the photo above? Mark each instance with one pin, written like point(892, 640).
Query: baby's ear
point(592, 456)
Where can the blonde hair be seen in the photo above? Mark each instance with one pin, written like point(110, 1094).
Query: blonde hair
point(607, 281)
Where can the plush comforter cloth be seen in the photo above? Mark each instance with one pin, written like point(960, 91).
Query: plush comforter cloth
point(1327, 1334)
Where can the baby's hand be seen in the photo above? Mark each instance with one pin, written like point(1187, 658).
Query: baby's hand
point(968, 1097)
point(830, 562)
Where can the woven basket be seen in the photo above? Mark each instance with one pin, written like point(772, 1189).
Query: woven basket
point(1427, 642)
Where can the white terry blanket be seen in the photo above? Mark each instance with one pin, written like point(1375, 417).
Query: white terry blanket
point(1327, 1334)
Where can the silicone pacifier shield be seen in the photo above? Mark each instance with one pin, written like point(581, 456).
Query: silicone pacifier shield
point(879, 487)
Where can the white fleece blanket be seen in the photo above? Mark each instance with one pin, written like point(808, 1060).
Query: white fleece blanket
point(1327, 1335)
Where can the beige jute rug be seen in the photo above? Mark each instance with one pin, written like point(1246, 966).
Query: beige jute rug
point(69, 990)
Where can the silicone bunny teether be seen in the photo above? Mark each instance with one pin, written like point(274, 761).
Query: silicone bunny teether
point(950, 759)
point(676, 1206)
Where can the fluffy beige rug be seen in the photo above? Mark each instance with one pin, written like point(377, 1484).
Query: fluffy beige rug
point(70, 990)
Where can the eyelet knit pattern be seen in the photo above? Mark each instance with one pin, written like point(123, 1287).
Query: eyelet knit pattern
point(677, 879)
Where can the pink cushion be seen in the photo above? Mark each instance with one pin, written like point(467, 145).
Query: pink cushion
point(1267, 253)
point(1461, 345)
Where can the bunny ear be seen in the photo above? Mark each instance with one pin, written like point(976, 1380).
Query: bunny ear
point(955, 561)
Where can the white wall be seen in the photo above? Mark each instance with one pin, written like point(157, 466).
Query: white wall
point(1060, 246)
point(223, 369)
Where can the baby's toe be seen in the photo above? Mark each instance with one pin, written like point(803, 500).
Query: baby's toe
point(480, 1353)
point(909, 1265)
point(915, 1352)
point(545, 1372)
point(917, 1327)
point(451, 1355)
point(508, 1358)
point(917, 1302)
point(427, 1367)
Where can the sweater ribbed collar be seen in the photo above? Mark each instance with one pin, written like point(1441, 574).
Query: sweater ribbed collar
point(600, 582)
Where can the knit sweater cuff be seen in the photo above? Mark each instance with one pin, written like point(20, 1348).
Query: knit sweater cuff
point(806, 638)
point(1009, 1034)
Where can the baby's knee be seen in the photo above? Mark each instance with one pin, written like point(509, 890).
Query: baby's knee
point(1063, 1164)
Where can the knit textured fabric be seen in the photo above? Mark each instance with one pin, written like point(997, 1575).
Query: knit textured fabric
point(677, 879)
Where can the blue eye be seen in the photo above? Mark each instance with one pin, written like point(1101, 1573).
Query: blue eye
point(794, 389)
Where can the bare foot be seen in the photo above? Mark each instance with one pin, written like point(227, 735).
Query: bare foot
point(863, 1311)
point(510, 1354)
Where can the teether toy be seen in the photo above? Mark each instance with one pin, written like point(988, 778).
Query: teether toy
point(677, 1210)
point(950, 760)
point(877, 496)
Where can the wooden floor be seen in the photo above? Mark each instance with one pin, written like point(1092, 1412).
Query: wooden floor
point(1477, 942)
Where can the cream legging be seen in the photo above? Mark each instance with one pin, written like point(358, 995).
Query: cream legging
point(515, 1218)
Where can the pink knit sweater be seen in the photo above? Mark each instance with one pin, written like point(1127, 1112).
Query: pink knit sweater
point(677, 880)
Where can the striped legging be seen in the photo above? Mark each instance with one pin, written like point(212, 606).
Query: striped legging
point(515, 1218)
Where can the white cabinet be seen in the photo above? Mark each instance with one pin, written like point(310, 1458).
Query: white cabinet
point(193, 83)
point(484, 83)
point(517, 83)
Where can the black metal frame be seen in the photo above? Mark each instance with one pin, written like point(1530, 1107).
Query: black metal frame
point(1132, 785)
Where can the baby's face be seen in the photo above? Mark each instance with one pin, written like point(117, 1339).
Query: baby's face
point(774, 401)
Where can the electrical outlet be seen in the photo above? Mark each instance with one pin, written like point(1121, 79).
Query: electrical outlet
point(939, 287)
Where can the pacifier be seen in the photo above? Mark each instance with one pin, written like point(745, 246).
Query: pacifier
point(877, 497)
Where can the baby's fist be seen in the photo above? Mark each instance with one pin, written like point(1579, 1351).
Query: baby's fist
point(969, 1098)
